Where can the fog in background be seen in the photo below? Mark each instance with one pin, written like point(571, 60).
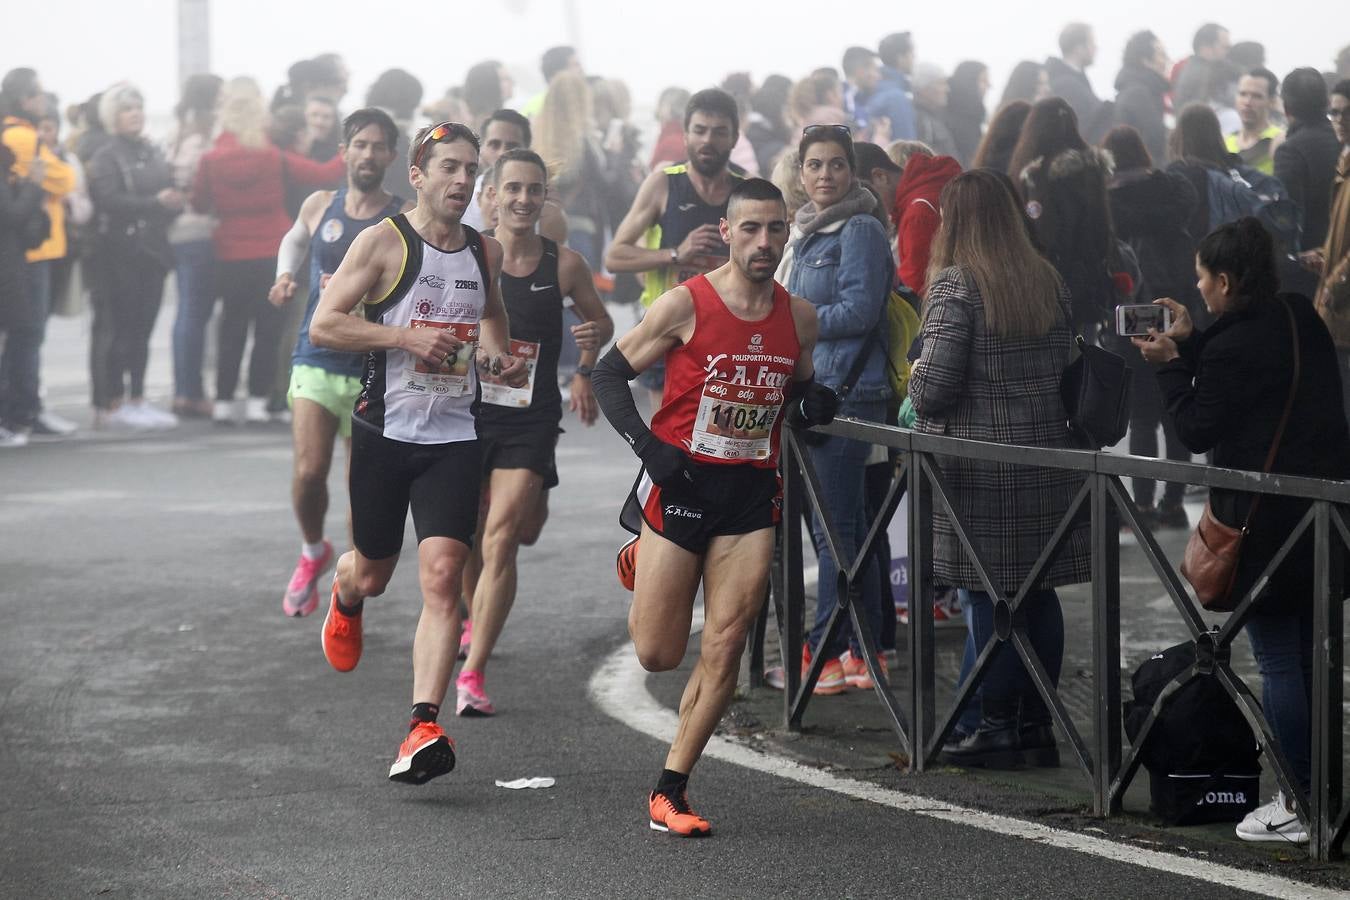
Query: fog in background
point(81, 46)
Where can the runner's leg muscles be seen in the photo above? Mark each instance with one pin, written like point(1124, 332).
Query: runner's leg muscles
point(666, 582)
point(313, 430)
point(440, 562)
point(359, 577)
point(514, 493)
point(534, 520)
point(735, 573)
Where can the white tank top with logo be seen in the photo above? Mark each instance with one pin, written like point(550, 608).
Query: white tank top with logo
point(403, 397)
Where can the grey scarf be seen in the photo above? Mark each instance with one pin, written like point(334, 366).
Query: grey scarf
point(858, 200)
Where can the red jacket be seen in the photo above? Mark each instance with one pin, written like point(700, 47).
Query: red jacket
point(244, 187)
point(916, 214)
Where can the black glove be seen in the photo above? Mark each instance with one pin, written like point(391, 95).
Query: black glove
point(811, 404)
point(667, 465)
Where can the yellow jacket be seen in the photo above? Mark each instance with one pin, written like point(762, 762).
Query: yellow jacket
point(20, 137)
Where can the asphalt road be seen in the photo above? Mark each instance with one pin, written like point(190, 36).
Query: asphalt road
point(166, 732)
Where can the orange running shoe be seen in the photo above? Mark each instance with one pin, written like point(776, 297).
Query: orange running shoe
point(675, 817)
point(341, 636)
point(627, 564)
point(856, 674)
point(425, 753)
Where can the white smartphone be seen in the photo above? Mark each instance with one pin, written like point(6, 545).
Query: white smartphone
point(1135, 320)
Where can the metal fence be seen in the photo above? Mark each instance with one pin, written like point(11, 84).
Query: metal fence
point(1106, 761)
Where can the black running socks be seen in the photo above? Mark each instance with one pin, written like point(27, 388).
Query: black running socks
point(672, 783)
point(423, 712)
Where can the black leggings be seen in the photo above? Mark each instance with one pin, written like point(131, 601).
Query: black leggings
point(242, 286)
point(126, 300)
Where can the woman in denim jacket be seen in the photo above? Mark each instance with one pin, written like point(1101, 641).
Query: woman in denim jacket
point(841, 262)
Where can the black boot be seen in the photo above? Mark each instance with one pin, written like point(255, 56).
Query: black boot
point(996, 744)
point(1036, 734)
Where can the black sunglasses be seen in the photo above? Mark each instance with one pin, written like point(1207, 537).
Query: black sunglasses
point(841, 130)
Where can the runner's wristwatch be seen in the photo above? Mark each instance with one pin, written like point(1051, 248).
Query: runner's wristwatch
point(584, 371)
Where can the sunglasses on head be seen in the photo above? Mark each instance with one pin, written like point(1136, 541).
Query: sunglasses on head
point(841, 130)
point(446, 131)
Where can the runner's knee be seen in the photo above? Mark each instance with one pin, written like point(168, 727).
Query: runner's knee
point(440, 582)
point(657, 657)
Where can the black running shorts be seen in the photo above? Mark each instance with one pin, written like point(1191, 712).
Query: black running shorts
point(729, 499)
point(521, 448)
point(438, 481)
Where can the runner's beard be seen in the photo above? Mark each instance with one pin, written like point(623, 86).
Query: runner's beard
point(709, 167)
point(368, 180)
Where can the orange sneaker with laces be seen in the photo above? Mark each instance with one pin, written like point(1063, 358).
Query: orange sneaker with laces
point(341, 636)
point(425, 753)
point(675, 817)
point(627, 564)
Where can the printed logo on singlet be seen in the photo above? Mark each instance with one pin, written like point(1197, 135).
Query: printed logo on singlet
point(331, 232)
point(536, 288)
point(685, 207)
point(434, 281)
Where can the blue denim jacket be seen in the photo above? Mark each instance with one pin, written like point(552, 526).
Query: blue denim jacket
point(846, 274)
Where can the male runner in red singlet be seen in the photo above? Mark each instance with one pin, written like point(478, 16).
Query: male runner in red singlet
point(737, 349)
point(433, 316)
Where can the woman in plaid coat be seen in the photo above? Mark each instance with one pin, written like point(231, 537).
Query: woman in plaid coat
point(996, 337)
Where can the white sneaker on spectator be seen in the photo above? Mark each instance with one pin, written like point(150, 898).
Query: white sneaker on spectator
point(154, 419)
point(255, 411)
point(124, 418)
point(1273, 822)
point(49, 423)
point(223, 413)
point(12, 438)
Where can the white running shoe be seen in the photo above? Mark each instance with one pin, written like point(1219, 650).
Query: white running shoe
point(223, 413)
point(51, 425)
point(255, 411)
point(12, 438)
point(124, 418)
point(1273, 822)
point(154, 419)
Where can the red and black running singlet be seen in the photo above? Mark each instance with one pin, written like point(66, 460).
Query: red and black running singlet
point(726, 387)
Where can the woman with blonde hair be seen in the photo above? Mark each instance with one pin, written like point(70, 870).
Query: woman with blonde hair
point(564, 135)
point(242, 181)
point(996, 337)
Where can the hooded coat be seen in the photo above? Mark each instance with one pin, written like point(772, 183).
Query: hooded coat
point(1151, 210)
point(916, 214)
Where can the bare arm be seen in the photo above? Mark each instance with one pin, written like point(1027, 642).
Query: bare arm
point(594, 332)
point(625, 253)
point(370, 270)
point(494, 328)
point(808, 330)
point(295, 246)
point(669, 323)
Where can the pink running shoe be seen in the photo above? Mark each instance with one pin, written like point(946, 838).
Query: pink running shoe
point(470, 699)
point(302, 594)
point(465, 638)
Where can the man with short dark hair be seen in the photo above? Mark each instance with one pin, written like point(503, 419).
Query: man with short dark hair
point(737, 349)
point(1141, 92)
point(1306, 165)
point(880, 172)
point(1259, 138)
point(433, 318)
point(891, 99)
point(684, 202)
point(504, 130)
point(1068, 76)
point(518, 427)
point(554, 61)
point(1203, 77)
point(862, 73)
point(397, 92)
point(324, 383)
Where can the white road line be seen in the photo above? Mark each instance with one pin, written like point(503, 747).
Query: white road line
point(619, 689)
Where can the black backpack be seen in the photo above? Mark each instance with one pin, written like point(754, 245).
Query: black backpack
point(1202, 759)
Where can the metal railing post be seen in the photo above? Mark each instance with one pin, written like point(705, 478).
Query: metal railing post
point(1327, 688)
point(794, 587)
point(1105, 644)
point(922, 675)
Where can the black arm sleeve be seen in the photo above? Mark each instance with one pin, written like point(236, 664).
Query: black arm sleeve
point(609, 381)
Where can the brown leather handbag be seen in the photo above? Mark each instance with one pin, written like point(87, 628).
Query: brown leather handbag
point(1211, 559)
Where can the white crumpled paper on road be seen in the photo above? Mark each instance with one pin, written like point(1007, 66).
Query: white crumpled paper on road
point(521, 783)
